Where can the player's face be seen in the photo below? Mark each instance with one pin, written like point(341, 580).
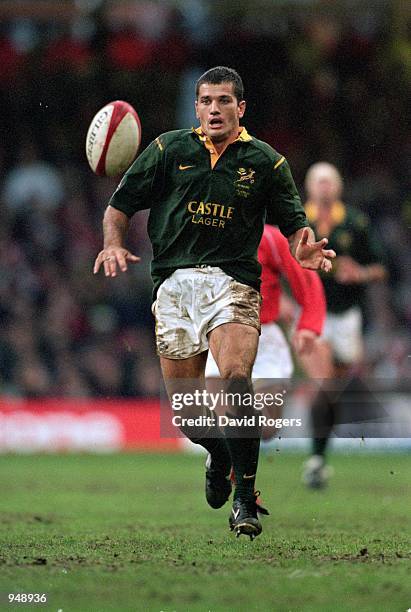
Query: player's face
point(324, 187)
point(219, 111)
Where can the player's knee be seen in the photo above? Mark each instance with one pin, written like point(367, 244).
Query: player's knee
point(235, 371)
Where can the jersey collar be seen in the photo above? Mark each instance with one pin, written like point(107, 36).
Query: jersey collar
point(338, 212)
point(243, 135)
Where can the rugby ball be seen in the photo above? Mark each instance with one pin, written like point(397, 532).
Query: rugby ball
point(113, 139)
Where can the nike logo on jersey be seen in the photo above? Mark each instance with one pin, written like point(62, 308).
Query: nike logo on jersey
point(251, 476)
point(181, 167)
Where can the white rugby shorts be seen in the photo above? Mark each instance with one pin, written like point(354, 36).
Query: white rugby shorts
point(192, 302)
point(273, 356)
point(343, 331)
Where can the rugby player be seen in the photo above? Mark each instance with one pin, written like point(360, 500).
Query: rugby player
point(209, 191)
point(341, 347)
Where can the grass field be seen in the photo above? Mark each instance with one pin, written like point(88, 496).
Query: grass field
point(133, 532)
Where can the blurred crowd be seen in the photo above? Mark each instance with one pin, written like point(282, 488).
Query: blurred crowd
point(319, 87)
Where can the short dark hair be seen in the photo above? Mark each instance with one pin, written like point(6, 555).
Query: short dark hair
point(222, 74)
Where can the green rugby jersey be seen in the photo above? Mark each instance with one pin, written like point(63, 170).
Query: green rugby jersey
point(350, 236)
point(209, 210)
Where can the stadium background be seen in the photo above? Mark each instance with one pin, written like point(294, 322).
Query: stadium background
point(324, 80)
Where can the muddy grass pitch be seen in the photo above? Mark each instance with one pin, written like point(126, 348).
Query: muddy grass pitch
point(134, 533)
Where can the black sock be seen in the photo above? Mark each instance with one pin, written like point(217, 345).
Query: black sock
point(319, 446)
point(243, 443)
point(322, 421)
point(218, 449)
point(212, 439)
point(244, 456)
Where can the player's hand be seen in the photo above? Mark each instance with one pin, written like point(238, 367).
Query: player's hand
point(303, 341)
point(113, 257)
point(349, 272)
point(313, 255)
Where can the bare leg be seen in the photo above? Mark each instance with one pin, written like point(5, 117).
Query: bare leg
point(318, 363)
point(234, 347)
point(187, 376)
point(271, 412)
point(193, 367)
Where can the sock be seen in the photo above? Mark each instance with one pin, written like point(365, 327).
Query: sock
point(218, 449)
point(244, 456)
point(322, 421)
point(244, 444)
point(319, 446)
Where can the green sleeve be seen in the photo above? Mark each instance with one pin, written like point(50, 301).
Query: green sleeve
point(284, 207)
point(142, 183)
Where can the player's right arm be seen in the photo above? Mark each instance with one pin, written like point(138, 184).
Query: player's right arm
point(113, 255)
point(140, 185)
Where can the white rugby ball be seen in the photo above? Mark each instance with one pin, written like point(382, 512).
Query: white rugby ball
point(113, 139)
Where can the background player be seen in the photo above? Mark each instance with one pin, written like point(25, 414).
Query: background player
point(209, 191)
point(358, 263)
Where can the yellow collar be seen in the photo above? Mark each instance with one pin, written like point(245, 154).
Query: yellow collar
point(243, 135)
point(338, 212)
